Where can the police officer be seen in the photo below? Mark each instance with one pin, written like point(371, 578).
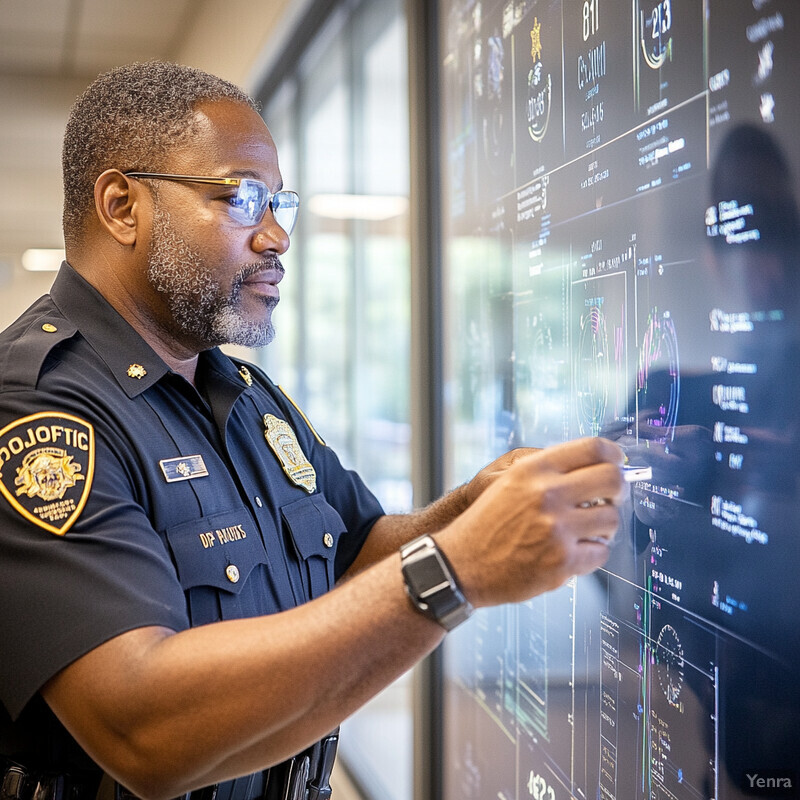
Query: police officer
point(172, 528)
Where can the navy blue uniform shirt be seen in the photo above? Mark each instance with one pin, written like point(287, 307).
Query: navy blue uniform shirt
point(130, 498)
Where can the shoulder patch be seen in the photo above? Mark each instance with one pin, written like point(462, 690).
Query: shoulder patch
point(46, 468)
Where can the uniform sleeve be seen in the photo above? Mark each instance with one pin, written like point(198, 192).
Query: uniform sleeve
point(81, 562)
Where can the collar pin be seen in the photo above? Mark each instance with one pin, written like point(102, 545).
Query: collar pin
point(136, 371)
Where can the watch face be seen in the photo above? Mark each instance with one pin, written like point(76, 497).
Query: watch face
point(429, 572)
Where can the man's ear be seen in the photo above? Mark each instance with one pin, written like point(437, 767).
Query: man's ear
point(117, 200)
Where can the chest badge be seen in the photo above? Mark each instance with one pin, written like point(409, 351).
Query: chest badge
point(283, 441)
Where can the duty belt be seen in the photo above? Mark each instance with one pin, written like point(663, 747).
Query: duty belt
point(304, 777)
point(19, 783)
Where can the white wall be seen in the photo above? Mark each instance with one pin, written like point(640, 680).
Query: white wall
point(30, 161)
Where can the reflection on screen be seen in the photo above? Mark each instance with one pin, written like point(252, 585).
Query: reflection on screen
point(622, 252)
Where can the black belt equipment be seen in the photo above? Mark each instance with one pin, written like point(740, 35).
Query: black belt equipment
point(304, 777)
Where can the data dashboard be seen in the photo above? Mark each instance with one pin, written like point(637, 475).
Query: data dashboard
point(622, 259)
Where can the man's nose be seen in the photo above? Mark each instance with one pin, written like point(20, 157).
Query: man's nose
point(269, 236)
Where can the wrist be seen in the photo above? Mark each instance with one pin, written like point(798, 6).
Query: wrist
point(463, 498)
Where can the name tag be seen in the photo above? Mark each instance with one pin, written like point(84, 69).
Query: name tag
point(183, 468)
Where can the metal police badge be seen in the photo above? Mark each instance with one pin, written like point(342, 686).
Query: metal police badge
point(283, 441)
point(46, 468)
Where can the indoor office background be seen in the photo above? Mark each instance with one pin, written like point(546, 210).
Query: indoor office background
point(522, 221)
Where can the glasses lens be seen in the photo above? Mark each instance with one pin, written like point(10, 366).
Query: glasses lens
point(250, 202)
point(285, 206)
point(253, 197)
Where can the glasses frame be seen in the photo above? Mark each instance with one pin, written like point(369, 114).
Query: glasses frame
point(168, 176)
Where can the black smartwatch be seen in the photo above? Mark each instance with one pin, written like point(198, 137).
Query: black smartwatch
point(431, 585)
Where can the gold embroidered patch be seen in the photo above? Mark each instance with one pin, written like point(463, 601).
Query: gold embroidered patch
point(46, 468)
point(284, 444)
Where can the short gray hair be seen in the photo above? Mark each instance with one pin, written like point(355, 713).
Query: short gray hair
point(130, 118)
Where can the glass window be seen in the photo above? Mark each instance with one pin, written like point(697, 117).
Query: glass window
point(281, 357)
point(342, 349)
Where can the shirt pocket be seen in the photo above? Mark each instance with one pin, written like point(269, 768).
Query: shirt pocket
point(314, 528)
point(222, 567)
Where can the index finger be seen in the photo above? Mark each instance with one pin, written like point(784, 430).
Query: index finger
point(579, 453)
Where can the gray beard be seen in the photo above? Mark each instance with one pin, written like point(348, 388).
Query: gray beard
point(199, 307)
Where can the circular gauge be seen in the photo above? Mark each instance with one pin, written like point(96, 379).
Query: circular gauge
point(669, 664)
point(655, 26)
point(540, 89)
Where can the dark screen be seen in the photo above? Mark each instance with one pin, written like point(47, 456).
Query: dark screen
point(621, 260)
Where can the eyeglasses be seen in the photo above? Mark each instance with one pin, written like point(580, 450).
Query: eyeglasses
point(250, 202)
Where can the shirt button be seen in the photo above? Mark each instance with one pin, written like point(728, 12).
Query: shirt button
point(232, 573)
point(258, 501)
point(327, 540)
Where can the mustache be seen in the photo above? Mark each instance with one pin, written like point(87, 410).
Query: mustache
point(270, 263)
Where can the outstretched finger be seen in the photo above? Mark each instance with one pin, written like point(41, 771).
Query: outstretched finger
point(579, 453)
point(586, 487)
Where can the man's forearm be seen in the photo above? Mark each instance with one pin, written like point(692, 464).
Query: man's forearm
point(392, 531)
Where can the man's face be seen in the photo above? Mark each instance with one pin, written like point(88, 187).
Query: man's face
point(201, 307)
point(217, 278)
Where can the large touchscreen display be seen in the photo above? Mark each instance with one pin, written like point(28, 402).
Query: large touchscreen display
point(622, 259)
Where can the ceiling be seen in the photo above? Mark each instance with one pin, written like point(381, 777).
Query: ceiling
point(80, 38)
point(51, 49)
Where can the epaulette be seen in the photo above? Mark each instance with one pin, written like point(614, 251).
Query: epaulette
point(278, 392)
point(25, 345)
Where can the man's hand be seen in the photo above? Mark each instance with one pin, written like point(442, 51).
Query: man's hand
point(548, 516)
point(393, 530)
